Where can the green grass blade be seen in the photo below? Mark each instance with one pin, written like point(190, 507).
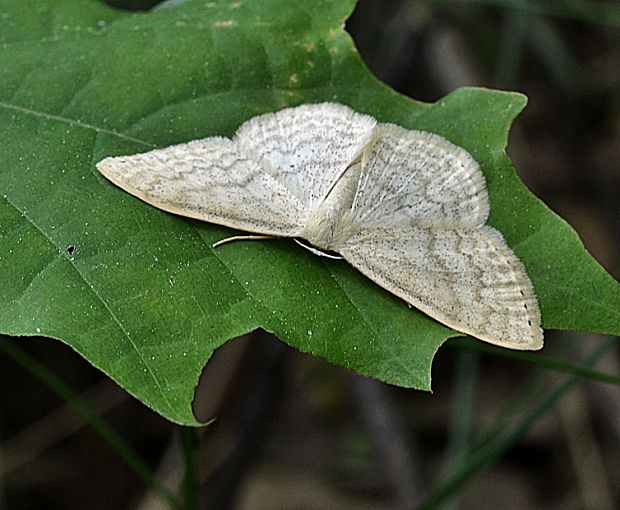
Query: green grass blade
point(462, 411)
point(105, 431)
point(538, 360)
point(599, 13)
point(500, 443)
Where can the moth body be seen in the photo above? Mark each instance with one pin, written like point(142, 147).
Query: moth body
point(332, 223)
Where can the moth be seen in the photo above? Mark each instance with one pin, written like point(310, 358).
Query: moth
point(406, 208)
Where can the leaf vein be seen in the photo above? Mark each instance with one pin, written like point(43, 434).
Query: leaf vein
point(73, 122)
point(100, 298)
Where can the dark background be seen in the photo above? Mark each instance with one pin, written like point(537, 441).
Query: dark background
point(293, 432)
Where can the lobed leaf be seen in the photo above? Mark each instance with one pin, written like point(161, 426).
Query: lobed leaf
point(140, 293)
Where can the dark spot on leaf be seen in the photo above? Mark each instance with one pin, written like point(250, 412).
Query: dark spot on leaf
point(71, 249)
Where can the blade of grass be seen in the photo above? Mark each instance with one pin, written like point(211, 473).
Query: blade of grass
point(523, 399)
point(461, 413)
point(189, 443)
point(556, 56)
point(510, 51)
point(105, 431)
point(500, 443)
point(584, 11)
point(2, 490)
point(520, 401)
point(537, 359)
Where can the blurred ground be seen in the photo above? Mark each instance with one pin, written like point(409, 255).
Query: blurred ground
point(293, 432)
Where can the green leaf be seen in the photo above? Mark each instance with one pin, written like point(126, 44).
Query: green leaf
point(143, 296)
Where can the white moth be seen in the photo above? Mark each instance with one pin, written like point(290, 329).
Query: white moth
point(406, 208)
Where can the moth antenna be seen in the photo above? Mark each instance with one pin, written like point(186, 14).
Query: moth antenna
point(239, 238)
point(320, 253)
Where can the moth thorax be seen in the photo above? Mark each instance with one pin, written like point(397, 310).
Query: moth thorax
point(328, 229)
point(331, 224)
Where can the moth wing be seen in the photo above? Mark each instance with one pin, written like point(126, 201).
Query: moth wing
point(468, 279)
point(212, 180)
point(309, 146)
point(418, 178)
